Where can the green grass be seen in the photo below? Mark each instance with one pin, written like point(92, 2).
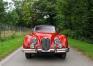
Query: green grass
point(82, 46)
point(8, 46)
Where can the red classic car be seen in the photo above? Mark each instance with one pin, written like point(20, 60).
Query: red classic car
point(45, 39)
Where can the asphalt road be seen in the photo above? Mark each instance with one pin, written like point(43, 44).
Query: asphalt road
point(74, 58)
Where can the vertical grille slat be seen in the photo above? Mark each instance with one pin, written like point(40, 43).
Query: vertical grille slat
point(45, 43)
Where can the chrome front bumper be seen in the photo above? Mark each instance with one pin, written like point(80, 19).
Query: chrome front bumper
point(50, 50)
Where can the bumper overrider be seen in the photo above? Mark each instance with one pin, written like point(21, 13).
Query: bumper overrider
point(63, 50)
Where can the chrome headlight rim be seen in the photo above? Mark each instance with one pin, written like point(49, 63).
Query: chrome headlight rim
point(34, 41)
point(57, 40)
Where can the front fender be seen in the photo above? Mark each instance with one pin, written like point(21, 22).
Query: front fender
point(27, 40)
point(64, 41)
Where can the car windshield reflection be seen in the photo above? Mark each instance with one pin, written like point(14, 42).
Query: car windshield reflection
point(46, 29)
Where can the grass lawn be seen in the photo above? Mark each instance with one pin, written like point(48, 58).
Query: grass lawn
point(82, 46)
point(8, 46)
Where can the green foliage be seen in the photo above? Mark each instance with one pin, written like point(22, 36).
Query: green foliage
point(2, 12)
point(8, 46)
point(44, 8)
point(72, 17)
point(85, 47)
point(75, 18)
point(12, 17)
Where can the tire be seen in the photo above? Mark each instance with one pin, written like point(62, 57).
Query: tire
point(63, 56)
point(28, 55)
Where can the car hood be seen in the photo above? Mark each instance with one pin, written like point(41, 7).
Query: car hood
point(41, 35)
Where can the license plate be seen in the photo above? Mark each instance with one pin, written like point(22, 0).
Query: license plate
point(45, 51)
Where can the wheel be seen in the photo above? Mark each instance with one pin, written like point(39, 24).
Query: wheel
point(28, 55)
point(63, 55)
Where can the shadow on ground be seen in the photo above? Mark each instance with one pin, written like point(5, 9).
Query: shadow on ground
point(47, 57)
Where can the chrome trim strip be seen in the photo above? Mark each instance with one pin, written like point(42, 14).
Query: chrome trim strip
point(29, 50)
point(50, 50)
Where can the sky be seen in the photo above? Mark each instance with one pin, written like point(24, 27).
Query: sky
point(10, 6)
point(8, 0)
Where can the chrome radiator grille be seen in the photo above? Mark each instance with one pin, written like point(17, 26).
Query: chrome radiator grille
point(45, 43)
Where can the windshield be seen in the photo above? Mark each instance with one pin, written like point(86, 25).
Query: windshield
point(47, 29)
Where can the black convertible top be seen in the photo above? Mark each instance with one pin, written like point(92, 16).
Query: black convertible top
point(45, 28)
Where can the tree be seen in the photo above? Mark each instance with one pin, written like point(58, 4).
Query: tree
point(2, 11)
point(72, 17)
point(23, 9)
point(44, 8)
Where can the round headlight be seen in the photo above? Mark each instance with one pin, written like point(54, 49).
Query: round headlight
point(34, 41)
point(57, 41)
